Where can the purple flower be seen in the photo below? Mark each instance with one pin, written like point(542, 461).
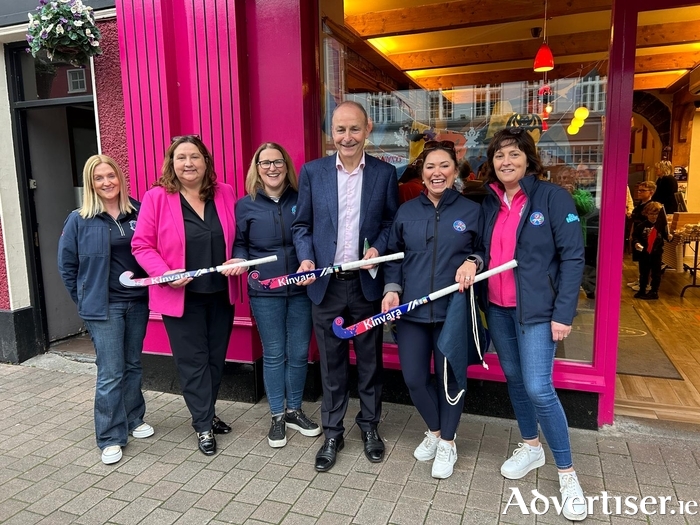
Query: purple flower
point(63, 20)
point(43, 2)
point(27, 50)
point(44, 34)
point(30, 38)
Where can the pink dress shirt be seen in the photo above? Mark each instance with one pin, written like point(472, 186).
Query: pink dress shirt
point(349, 200)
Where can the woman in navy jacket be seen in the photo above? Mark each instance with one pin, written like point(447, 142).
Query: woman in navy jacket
point(438, 233)
point(283, 315)
point(94, 249)
point(531, 308)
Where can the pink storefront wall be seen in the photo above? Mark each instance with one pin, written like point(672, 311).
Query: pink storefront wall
point(180, 65)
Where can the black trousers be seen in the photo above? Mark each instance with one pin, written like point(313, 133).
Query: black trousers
point(345, 298)
point(417, 347)
point(650, 265)
point(199, 340)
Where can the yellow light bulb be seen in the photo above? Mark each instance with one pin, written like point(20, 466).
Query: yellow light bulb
point(578, 122)
point(581, 113)
point(572, 130)
point(548, 108)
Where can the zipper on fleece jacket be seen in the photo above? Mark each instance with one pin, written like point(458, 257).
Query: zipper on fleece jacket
point(432, 270)
point(284, 241)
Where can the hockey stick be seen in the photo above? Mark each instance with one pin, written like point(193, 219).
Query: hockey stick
point(293, 278)
point(397, 312)
point(126, 278)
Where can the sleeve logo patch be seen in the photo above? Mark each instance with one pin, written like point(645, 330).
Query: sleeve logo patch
point(572, 217)
point(459, 226)
point(294, 209)
point(537, 218)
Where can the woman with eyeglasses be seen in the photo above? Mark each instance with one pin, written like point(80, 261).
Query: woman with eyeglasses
point(438, 233)
point(93, 251)
point(531, 308)
point(187, 222)
point(283, 315)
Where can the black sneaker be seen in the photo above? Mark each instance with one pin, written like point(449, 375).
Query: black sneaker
point(651, 296)
point(277, 436)
point(640, 294)
point(297, 420)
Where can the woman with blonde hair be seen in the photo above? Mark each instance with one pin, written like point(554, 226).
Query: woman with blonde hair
point(666, 187)
point(94, 249)
point(283, 315)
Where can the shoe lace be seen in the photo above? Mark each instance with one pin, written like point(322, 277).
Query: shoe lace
point(443, 452)
point(520, 454)
point(569, 487)
point(277, 424)
point(430, 439)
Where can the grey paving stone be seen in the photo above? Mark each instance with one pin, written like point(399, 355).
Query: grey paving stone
point(58, 518)
point(214, 500)
point(102, 512)
point(288, 490)
point(24, 517)
point(203, 481)
point(346, 501)
point(130, 491)
point(312, 502)
point(135, 512)
point(10, 507)
point(195, 517)
point(328, 481)
point(162, 490)
point(330, 518)
point(255, 491)
point(409, 511)
point(419, 490)
point(162, 517)
point(271, 512)
point(449, 503)
point(113, 481)
point(652, 475)
point(374, 512)
point(35, 491)
point(52, 501)
point(613, 446)
point(181, 500)
point(236, 512)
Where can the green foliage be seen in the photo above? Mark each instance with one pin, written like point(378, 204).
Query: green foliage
point(65, 30)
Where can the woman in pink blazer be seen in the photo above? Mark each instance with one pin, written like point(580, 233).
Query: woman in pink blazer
point(187, 222)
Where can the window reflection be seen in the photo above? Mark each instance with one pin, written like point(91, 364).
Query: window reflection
point(45, 79)
point(469, 116)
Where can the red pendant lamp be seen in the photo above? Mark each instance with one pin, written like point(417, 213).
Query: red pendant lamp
point(544, 59)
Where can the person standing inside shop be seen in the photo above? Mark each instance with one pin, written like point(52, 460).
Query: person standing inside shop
point(531, 308)
point(645, 190)
point(648, 238)
point(666, 187)
point(93, 251)
point(283, 315)
point(438, 232)
point(346, 206)
point(187, 221)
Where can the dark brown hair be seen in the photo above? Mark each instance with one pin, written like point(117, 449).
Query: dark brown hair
point(521, 139)
point(169, 180)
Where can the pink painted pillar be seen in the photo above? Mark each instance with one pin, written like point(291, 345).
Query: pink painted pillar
point(183, 71)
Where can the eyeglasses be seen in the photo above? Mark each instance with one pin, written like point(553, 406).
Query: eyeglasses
point(181, 137)
point(432, 144)
point(640, 190)
point(266, 164)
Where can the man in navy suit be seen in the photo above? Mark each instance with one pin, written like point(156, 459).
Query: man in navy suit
point(346, 202)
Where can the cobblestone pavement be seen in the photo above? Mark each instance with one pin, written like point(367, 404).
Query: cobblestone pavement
point(50, 468)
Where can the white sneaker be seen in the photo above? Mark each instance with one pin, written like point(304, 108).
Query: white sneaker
point(634, 285)
point(523, 460)
point(445, 458)
point(144, 430)
point(572, 500)
point(111, 454)
point(427, 449)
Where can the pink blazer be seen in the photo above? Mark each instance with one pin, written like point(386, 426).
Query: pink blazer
point(159, 243)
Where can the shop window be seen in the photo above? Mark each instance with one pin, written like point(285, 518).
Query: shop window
point(76, 81)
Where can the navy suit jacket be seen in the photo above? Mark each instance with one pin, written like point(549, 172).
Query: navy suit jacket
point(315, 228)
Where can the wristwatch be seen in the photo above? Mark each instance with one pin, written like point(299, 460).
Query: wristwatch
point(472, 259)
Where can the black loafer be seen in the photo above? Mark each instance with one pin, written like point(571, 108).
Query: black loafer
point(374, 446)
point(219, 427)
point(325, 459)
point(207, 443)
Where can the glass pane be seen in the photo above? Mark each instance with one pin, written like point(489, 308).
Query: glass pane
point(469, 115)
point(44, 79)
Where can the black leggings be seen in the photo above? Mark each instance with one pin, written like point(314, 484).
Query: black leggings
point(417, 345)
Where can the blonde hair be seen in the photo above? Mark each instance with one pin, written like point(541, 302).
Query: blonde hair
point(253, 181)
point(665, 167)
point(92, 202)
point(648, 185)
point(652, 207)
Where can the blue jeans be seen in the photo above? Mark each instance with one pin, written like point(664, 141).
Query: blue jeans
point(526, 353)
point(284, 324)
point(119, 403)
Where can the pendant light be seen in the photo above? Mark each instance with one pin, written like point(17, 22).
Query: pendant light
point(544, 59)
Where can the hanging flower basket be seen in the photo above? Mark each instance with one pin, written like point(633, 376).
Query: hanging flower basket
point(65, 30)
